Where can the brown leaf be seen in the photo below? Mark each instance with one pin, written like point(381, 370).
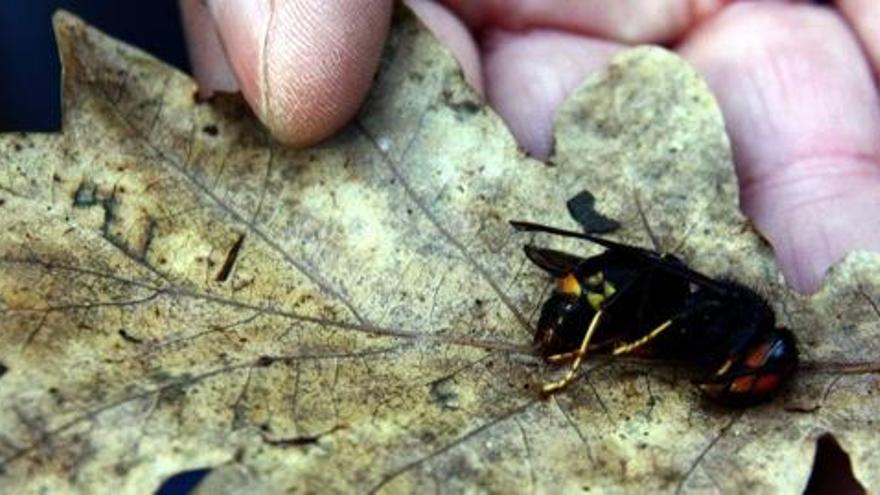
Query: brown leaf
point(180, 292)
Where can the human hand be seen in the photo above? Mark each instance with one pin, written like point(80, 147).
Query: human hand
point(797, 91)
point(304, 66)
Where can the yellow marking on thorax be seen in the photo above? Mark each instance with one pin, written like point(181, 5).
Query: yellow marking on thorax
point(609, 289)
point(598, 289)
point(595, 299)
point(569, 285)
point(596, 279)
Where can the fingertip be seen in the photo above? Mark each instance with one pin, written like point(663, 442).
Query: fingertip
point(802, 111)
point(306, 66)
point(633, 21)
point(816, 212)
point(529, 75)
point(454, 35)
point(863, 16)
point(207, 58)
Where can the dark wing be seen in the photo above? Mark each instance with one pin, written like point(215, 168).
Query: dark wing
point(647, 256)
point(556, 263)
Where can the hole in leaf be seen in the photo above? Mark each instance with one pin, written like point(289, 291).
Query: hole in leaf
point(832, 470)
point(183, 482)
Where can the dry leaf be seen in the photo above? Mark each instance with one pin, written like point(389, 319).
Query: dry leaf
point(178, 291)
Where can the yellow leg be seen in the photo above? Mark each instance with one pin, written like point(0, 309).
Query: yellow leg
point(568, 356)
point(578, 358)
point(563, 356)
point(630, 346)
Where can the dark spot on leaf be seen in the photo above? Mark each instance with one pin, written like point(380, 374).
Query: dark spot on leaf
point(461, 106)
point(183, 482)
point(56, 178)
point(57, 396)
point(16, 147)
point(582, 208)
point(300, 440)
point(444, 395)
point(86, 195)
point(264, 361)
point(3, 369)
point(128, 337)
point(172, 394)
point(239, 455)
point(428, 437)
point(797, 408)
point(292, 442)
point(231, 257)
point(832, 470)
point(211, 130)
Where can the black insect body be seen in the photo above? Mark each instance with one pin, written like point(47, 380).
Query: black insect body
point(630, 300)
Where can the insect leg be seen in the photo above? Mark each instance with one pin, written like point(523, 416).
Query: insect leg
point(638, 284)
point(651, 235)
point(628, 347)
point(568, 356)
point(563, 356)
point(631, 346)
point(579, 356)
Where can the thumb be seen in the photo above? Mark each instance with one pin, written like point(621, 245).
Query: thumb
point(304, 66)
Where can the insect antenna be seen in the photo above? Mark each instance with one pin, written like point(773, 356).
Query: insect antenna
point(654, 240)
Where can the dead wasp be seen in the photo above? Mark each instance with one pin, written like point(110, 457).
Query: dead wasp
point(636, 301)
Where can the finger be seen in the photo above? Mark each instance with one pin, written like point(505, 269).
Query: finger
point(634, 21)
point(864, 15)
point(454, 35)
point(305, 66)
point(206, 55)
point(803, 115)
point(529, 75)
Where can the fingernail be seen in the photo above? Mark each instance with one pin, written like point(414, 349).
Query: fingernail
point(207, 58)
point(451, 32)
point(242, 26)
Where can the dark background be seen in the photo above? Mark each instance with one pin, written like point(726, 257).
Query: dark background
point(29, 68)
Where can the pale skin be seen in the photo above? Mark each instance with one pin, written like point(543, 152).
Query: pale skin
point(797, 84)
